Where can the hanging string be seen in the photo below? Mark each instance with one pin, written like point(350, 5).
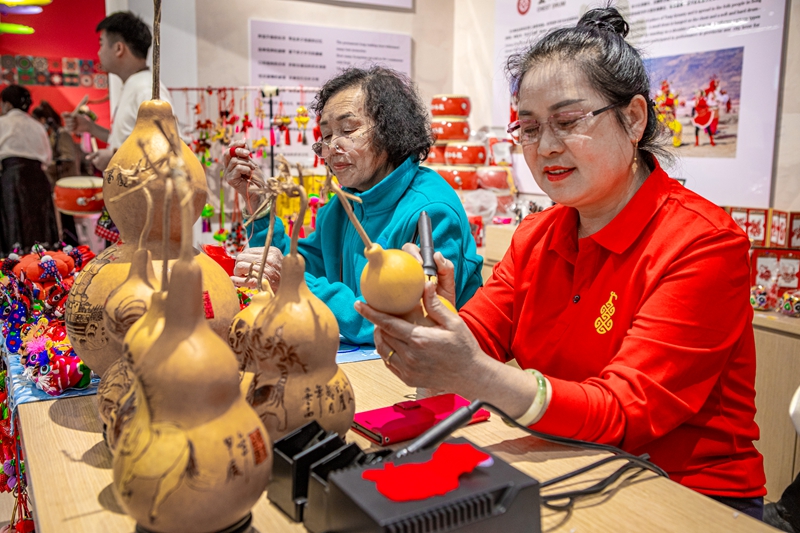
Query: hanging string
point(156, 49)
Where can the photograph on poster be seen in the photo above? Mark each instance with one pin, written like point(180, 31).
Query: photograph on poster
point(697, 97)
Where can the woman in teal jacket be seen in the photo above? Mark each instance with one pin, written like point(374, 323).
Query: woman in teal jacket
point(375, 131)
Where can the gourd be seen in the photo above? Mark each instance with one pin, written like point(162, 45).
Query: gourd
point(127, 173)
point(124, 307)
point(295, 339)
point(242, 325)
point(191, 455)
point(392, 281)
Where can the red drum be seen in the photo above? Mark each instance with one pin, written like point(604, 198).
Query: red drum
point(450, 104)
point(79, 195)
point(436, 155)
point(460, 178)
point(494, 177)
point(450, 128)
point(465, 153)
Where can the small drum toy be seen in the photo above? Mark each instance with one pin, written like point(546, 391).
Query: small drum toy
point(79, 195)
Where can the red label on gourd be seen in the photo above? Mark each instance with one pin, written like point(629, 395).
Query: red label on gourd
point(207, 307)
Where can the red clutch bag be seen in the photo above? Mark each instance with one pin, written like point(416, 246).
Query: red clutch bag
point(406, 420)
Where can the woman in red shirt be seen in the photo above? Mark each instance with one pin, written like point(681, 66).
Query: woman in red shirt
point(627, 303)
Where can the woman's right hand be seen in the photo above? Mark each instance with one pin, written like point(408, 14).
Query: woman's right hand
point(248, 263)
point(445, 272)
point(239, 168)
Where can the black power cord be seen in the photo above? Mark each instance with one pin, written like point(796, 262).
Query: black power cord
point(461, 416)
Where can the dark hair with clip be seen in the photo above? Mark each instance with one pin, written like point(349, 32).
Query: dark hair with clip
point(130, 29)
point(402, 128)
point(597, 46)
point(19, 97)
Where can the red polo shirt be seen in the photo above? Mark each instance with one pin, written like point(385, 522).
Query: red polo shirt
point(644, 330)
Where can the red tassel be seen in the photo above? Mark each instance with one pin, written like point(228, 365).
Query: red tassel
point(299, 137)
point(272, 136)
point(288, 137)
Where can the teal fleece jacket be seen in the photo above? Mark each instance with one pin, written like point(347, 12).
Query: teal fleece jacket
point(334, 253)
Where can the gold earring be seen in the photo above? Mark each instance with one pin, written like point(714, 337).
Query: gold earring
point(635, 165)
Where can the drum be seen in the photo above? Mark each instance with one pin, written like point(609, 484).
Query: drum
point(436, 155)
point(450, 128)
point(79, 195)
point(450, 104)
point(465, 153)
point(459, 177)
point(496, 177)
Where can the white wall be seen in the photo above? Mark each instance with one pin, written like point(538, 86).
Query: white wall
point(179, 61)
point(222, 33)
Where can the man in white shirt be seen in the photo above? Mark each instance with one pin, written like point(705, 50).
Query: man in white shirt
point(124, 42)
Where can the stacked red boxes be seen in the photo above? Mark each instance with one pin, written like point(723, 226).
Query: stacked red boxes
point(766, 227)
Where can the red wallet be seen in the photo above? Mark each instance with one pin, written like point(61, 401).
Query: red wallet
point(406, 420)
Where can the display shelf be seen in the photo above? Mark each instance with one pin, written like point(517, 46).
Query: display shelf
point(70, 474)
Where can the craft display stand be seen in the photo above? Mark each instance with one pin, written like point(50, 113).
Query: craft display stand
point(267, 94)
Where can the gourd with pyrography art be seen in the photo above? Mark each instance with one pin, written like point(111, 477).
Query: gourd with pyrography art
point(125, 306)
point(295, 339)
point(242, 325)
point(128, 171)
point(192, 454)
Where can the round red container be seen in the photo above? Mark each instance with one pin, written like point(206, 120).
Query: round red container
point(493, 177)
point(436, 155)
point(462, 178)
point(79, 195)
point(450, 128)
point(450, 104)
point(465, 153)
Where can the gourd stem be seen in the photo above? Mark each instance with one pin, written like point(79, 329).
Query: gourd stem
point(148, 220)
point(168, 186)
point(351, 215)
point(301, 216)
point(187, 214)
point(270, 233)
point(156, 49)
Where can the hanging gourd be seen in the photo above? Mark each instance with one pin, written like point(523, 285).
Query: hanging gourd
point(126, 174)
point(191, 454)
point(294, 340)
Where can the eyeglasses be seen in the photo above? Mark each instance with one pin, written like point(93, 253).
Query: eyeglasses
point(529, 131)
point(341, 143)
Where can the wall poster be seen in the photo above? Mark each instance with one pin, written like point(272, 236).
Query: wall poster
point(714, 70)
point(292, 55)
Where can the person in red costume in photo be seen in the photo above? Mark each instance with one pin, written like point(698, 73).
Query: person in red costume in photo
point(603, 299)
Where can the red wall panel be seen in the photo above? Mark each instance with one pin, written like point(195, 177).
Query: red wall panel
point(65, 28)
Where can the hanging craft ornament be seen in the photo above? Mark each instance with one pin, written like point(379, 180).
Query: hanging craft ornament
point(206, 214)
point(282, 121)
point(302, 124)
point(236, 240)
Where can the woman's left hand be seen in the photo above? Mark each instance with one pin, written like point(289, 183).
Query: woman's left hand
point(439, 357)
point(248, 263)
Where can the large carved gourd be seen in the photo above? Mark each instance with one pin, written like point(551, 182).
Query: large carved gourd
point(192, 454)
point(128, 170)
point(295, 340)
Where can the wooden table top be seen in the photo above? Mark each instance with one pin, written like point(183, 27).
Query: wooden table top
point(69, 468)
